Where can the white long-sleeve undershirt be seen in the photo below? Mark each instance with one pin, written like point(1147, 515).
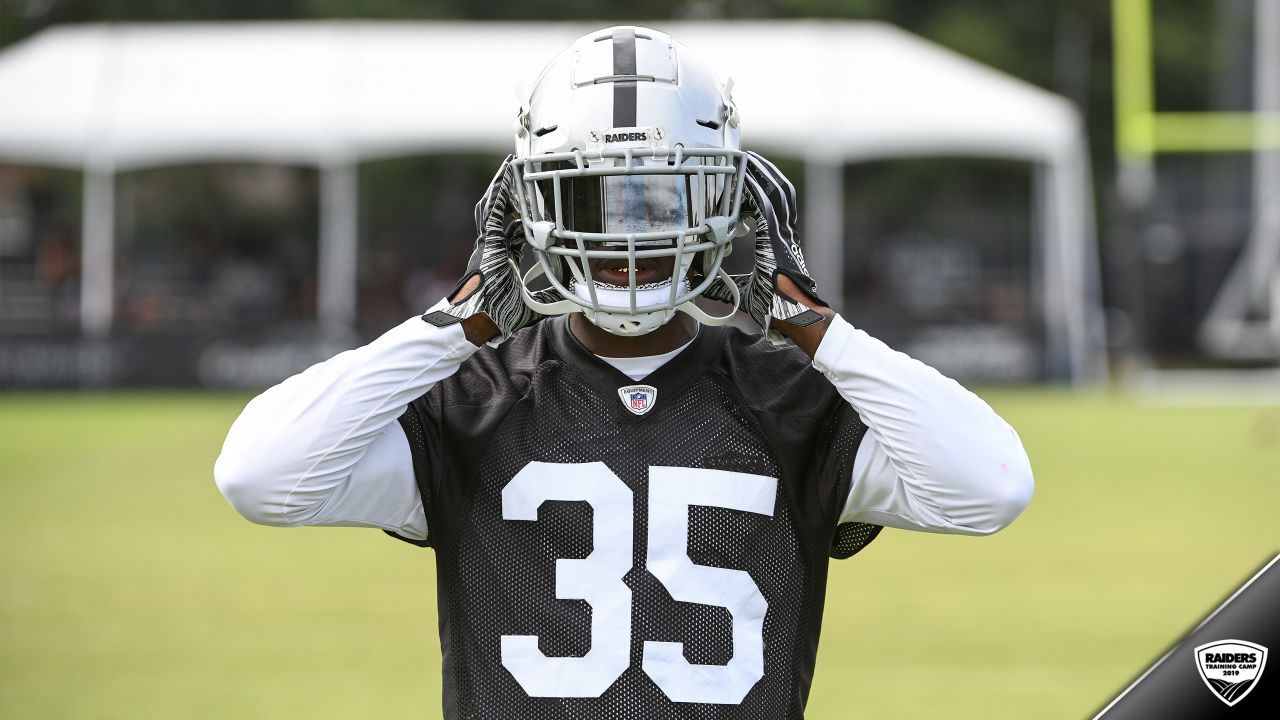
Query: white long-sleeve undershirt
point(639, 368)
point(935, 456)
point(323, 447)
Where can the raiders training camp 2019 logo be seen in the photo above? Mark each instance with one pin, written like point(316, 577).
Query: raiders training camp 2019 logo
point(1231, 668)
point(639, 399)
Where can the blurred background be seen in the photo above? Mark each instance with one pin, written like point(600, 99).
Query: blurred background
point(1074, 206)
point(1014, 194)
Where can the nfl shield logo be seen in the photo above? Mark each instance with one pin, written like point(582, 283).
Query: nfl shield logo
point(639, 399)
point(1231, 668)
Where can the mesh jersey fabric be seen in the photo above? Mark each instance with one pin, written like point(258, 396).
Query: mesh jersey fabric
point(729, 402)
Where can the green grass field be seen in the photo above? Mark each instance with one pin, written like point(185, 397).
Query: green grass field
point(130, 589)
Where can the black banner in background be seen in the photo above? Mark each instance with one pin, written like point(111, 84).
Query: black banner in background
point(164, 361)
point(1176, 687)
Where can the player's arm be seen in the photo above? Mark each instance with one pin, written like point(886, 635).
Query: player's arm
point(935, 457)
point(322, 448)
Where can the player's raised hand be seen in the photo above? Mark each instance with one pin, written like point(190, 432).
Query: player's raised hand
point(778, 293)
point(487, 300)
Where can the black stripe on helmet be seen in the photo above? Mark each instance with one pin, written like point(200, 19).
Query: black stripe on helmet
point(624, 92)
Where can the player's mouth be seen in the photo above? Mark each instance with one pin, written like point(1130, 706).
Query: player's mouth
point(618, 272)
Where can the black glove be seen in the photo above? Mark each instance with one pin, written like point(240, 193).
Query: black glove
point(496, 259)
point(771, 198)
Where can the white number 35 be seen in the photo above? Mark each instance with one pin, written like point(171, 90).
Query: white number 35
point(597, 579)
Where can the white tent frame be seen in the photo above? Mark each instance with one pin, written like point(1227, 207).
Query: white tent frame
point(331, 94)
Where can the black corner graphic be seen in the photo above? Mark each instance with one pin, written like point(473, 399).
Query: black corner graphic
point(1219, 669)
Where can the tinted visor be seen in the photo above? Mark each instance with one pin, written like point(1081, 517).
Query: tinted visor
point(631, 203)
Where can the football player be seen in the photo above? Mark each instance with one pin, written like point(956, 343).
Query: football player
point(632, 506)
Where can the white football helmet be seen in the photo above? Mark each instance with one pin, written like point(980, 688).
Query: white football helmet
point(626, 150)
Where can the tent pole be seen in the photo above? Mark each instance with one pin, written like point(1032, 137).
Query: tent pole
point(97, 251)
point(1069, 267)
point(1095, 361)
point(337, 272)
point(823, 236)
point(1051, 275)
point(1041, 266)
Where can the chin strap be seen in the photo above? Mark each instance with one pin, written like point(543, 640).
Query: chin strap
point(556, 307)
point(702, 316)
point(565, 306)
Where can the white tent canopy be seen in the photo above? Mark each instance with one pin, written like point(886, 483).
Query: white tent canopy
point(109, 98)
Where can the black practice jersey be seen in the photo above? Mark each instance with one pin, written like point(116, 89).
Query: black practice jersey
point(608, 548)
